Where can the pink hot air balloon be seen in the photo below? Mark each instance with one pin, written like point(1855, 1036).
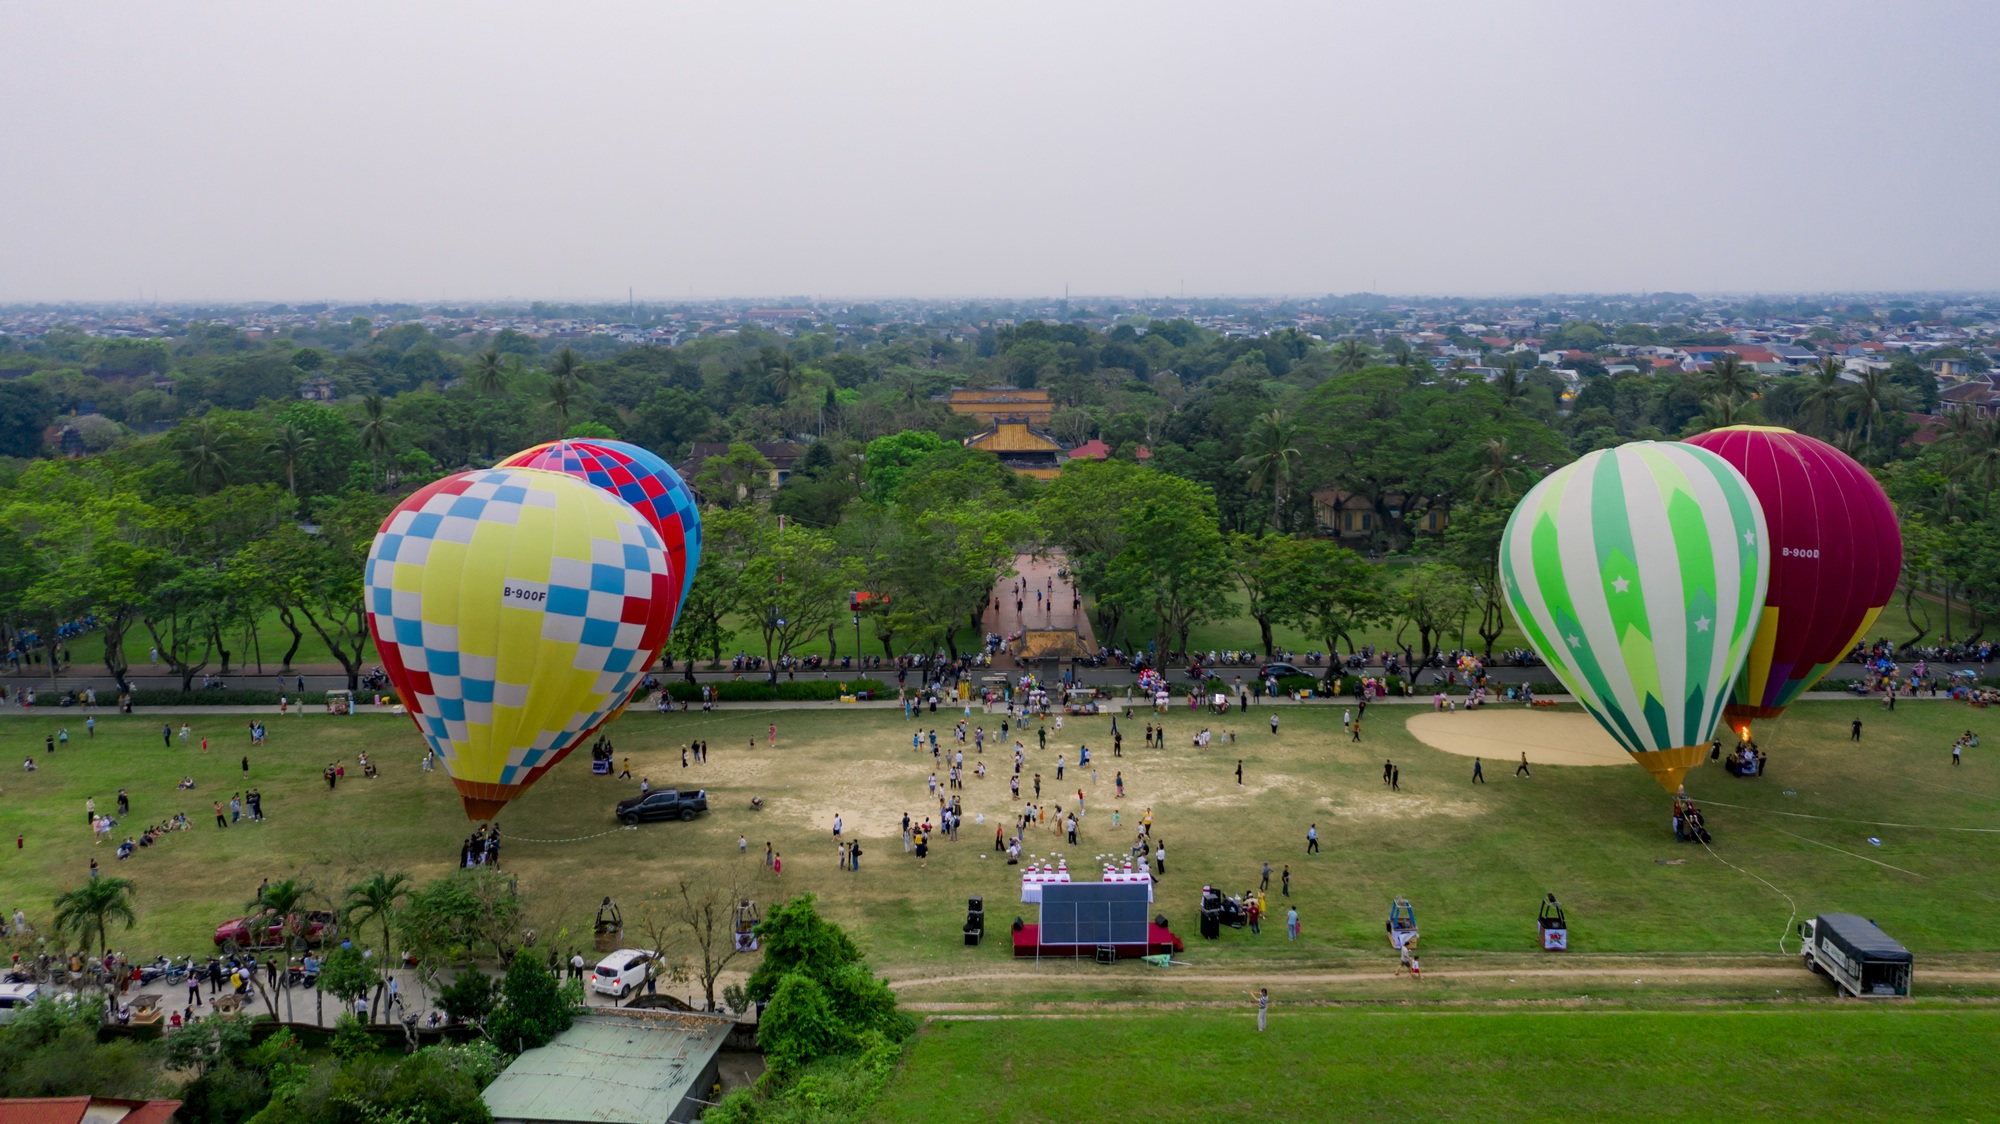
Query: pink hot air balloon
point(1835, 554)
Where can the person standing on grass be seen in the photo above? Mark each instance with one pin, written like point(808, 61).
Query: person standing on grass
point(1312, 841)
point(1386, 767)
point(774, 735)
point(1356, 735)
point(167, 736)
point(1521, 770)
point(1274, 724)
point(1855, 734)
point(1160, 858)
point(1263, 997)
point(1955, 748)
point(1285, 880)
point(1478, 776)
point(1265, 884)
point(1396, 780)
point(1292, 922)
point(1239, 772)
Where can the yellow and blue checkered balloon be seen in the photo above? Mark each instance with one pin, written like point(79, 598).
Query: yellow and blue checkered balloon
point(515, 610)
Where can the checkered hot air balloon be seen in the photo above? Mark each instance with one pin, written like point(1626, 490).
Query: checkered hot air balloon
point(514, 609)
point(641, 479)
point(1835, 554)
point(1638, 574)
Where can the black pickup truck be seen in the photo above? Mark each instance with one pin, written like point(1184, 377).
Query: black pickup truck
point(663, 804)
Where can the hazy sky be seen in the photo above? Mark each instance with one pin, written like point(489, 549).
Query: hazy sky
point(295, 150)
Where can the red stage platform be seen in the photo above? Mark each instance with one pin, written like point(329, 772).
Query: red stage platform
point(1158, 940)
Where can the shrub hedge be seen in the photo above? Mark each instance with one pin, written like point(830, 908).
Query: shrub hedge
point(680, 690)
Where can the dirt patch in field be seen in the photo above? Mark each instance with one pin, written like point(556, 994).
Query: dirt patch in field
point(1549, 737)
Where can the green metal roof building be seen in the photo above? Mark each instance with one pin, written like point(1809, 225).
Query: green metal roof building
point(616, 1066)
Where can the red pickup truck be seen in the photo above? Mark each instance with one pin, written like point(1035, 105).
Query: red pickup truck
point(268, 930)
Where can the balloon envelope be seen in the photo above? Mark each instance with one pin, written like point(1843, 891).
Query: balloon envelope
point(514, 610)
point(1835, 553)
point(640, 478)
point(1637, 574)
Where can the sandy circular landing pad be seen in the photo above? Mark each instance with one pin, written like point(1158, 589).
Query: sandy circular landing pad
point(1550, 737)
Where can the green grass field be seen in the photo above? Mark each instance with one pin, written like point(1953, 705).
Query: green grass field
point(1785, 1063)
point(1474, 859)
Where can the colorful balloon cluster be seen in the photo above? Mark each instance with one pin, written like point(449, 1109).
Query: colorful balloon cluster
point(1668, 584)
point(516, 608)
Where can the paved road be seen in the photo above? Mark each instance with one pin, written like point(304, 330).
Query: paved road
point(1053, 610)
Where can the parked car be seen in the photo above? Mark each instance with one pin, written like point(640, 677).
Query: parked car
point(662, 804)
point(1277, 671)
point(13, 997)
point(268, 930)
point(620, 972)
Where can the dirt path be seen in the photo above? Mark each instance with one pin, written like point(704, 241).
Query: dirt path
point(1780, 976)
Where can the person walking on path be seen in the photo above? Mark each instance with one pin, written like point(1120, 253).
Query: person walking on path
point(1478, 775)
point(1312, 840)
point(1854, 734)
point(1521, 770)
point(1263, 998)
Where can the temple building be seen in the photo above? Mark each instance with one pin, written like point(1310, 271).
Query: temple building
point(1014, 427)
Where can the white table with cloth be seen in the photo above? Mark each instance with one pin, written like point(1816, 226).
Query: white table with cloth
point(1033, 879)
point(1129, 875)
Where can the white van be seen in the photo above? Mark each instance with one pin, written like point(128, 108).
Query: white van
point(13, 997)
point(620, 972)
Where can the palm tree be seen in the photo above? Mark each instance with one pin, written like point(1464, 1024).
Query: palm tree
point(1823, 394)
point(1721, 410)
point(377, 432)
point(1270, 459)
point(376, 900)
point(1729, 378)
point(1871, 399)
point(786, 379)
point(290, 445)
point(562, 398)
point(88, 910)
point(489, 373)
point(567, 369)
point(1349, 356)
point(1497, 477)
point(565, 383)
point(282, 900)
point(205, 454)
point(1512, 386)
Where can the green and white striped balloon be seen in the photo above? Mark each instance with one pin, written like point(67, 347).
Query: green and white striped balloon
point(1638, 574)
